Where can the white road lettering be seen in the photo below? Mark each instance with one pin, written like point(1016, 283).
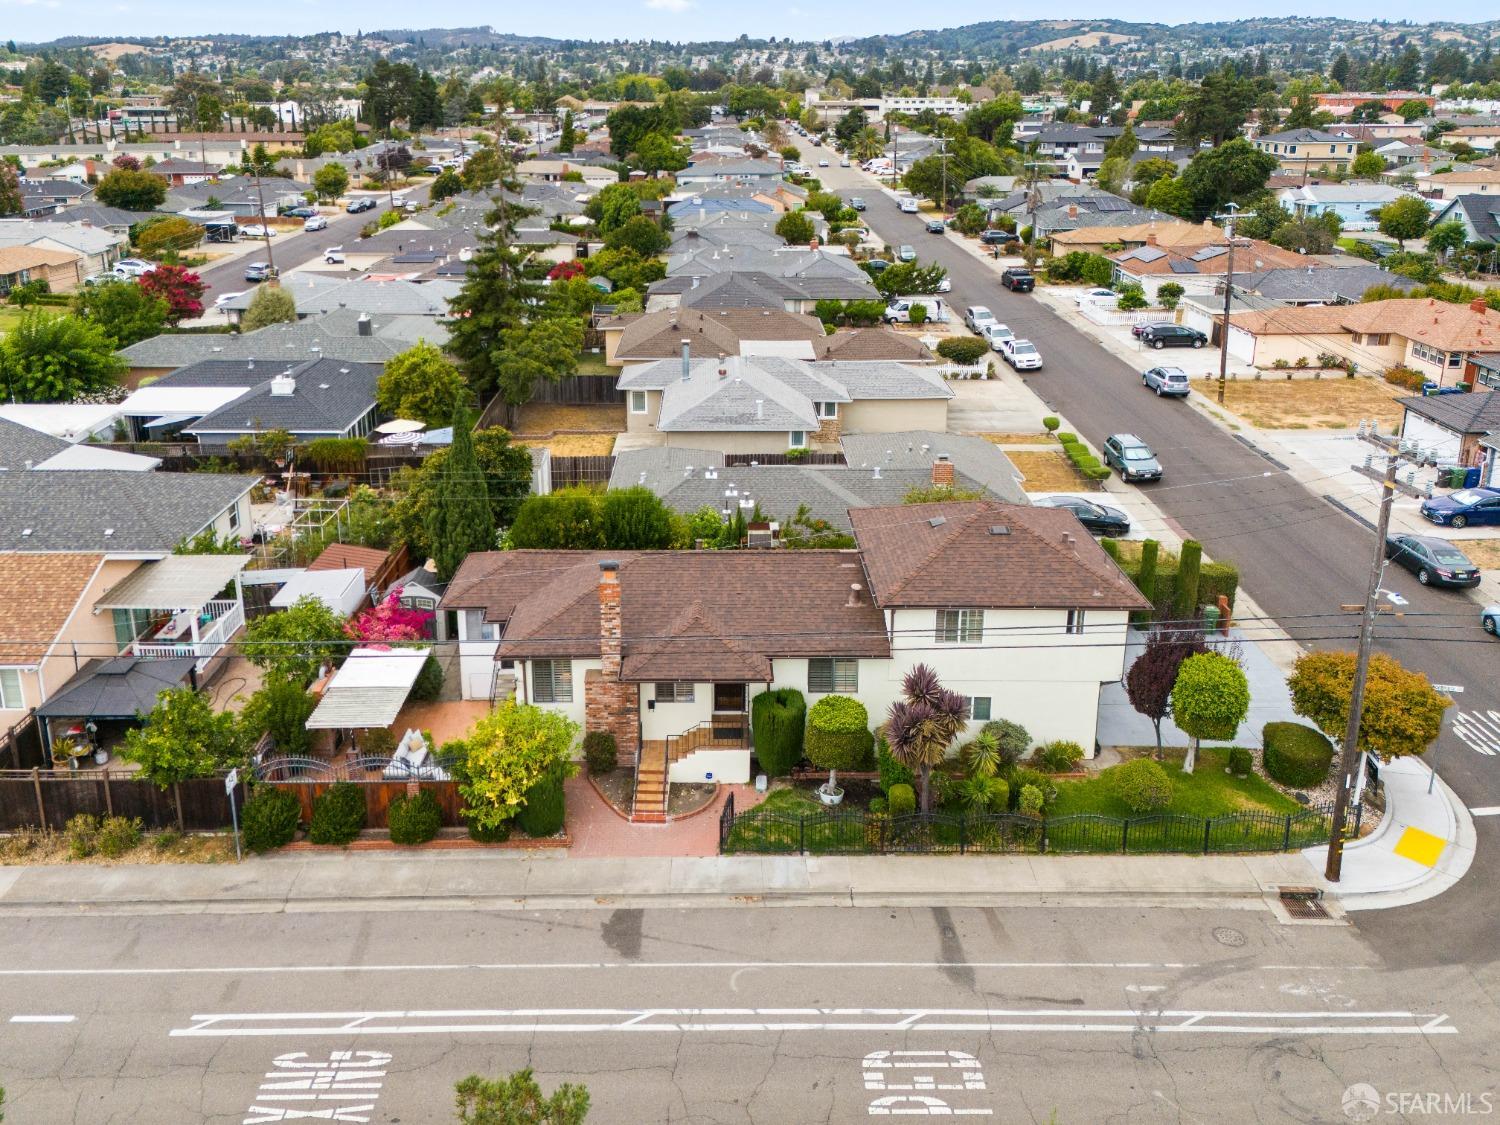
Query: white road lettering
point(910, 1081)
point(42, 1019)
point(343, 1076)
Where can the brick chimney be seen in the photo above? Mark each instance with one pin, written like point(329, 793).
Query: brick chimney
point(1072, 210)
point(1150, 238)
point(609, 618)
point(812, 244)
point(942, 472)
point(608, 703)
point(1478, 305)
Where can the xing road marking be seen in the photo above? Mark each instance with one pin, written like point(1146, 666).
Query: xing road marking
point(343, 1077)
point(573, 1021)
point(1479, 730)
point(42, 1019)
point(915, 1094)
point(1488, 810)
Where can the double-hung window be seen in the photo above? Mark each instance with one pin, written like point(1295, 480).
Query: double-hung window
point(797, 439)
point(977, 708)
point(827, 409)
point(552, 681)
point(674, 691)
point(10, 690)
point(833, 674)
point(960, 626)
point(1075, 621)
point(637, 402)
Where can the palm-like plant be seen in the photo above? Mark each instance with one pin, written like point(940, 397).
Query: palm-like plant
point(921, 726)
point(867, 145)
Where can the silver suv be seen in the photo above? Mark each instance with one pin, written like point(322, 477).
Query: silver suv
point(1167, 381)
point(1132, 458)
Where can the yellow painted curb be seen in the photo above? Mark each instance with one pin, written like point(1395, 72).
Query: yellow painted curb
point(1422, 847)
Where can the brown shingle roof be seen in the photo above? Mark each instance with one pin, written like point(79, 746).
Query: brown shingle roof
point(13, 259)
point(659, 335)
point(37, 593)
point(1168, 234)
point(1438, 324)
point(1193, 260)
point(687, 615)
point(344, 556)
point(950, 554)
point(873, 344)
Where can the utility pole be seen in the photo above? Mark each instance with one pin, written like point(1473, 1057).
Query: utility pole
point(1228, 296)
point(260, 200)
point(1350, 758)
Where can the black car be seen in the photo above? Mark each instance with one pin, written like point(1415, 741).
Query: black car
point(1097, 518)
point(358, 205)
point(1018, 280)
point(1435, 562)
point(875, 265)
point(856, 202)
point(300, 212)
point(1172, 336)
point(936, 226)
point(995, 237)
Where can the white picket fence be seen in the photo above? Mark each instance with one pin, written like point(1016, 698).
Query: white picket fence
point(1104, 314)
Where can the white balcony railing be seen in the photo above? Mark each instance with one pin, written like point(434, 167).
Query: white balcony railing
point(227, 616)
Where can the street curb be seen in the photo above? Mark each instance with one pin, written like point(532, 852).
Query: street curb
point(1458, 856)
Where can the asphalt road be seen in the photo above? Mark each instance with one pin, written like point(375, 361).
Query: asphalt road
point(735, 1015)
point(1299, 557)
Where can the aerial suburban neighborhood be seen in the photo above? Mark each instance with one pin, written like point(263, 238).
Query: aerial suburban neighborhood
point(656, 519)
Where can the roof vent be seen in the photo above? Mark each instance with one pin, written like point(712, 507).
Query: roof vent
point(999, 529)
point(856, 595)
point(109, 531)
point(25, 531)
point(283, 385)
point(937, 521)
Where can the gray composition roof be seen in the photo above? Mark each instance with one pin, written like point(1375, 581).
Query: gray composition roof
point(111, 510)
point(689, 479)
point(1341, 285)
point(334, 335)
point(328, 396)
point(20, 444)
point(319, 293)
point(974, 458)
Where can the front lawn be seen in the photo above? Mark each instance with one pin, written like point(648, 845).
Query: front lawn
point(1333, 402)
point(1206, 792)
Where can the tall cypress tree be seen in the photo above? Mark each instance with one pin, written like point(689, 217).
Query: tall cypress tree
point(460, 520)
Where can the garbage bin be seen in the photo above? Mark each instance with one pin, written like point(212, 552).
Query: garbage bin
point(1471, 477)
point(1211, 618)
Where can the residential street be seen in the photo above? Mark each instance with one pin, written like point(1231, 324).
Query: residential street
point(763, 1015)
point(1299, 557)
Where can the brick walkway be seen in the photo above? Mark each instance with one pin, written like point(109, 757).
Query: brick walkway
point(598, 830)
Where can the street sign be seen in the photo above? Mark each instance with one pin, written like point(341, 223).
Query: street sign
point(231, 780)
point(1449, 689)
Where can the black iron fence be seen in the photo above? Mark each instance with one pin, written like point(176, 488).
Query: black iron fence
point(856, 832)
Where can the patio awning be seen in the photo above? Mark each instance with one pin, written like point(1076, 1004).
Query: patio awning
point(175, 582)
point(369, 690)
point(120, 688)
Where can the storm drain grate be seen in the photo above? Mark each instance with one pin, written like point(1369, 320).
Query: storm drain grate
point(1303, 904)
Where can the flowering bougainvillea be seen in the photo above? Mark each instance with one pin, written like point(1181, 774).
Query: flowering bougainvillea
point(390, 621)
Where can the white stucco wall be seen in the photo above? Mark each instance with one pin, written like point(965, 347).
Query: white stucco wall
point(666, 719)
point(732, 766)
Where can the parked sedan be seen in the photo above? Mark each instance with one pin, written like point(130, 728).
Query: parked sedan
point(906, 253)
point(857, 203)
point(1097, 297)
point(996, 334)
point(822, 164)
point(1435, 562)
point(133, 267)
point(300, 212)
point(1131, 458)
point(1489, 617)
point(996, 237)
point(1172, 336)
point(977, 316)
point(316, 222)
point(1167, 381)
point(255, 230)
point(1097, 518)
point(1466, 506)
point(366, 203)
point(936, 226)
point(1021, 354)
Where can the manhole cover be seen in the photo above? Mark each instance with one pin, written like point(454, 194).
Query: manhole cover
point(1225, 936)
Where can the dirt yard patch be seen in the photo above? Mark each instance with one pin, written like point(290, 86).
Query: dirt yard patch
point(1042, 438)
point(542, 419)
point(1048, 472)
point(1485, 552)
point(574, 445)
point(1334, 403)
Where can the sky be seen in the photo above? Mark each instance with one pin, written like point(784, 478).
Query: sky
point(678, 20)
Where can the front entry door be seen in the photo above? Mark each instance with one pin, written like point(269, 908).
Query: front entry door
point(729, 699)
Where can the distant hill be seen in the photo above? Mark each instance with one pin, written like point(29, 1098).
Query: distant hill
point(463, 36)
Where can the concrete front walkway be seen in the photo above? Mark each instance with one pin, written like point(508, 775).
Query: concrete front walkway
point(598, 830)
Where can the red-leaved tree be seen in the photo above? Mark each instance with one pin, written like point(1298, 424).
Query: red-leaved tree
point(128, 162)
point(179, 287)
point(1150, 680)
point(390, 621)
point(566, 271)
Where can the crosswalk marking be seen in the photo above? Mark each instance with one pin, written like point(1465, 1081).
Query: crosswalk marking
point(1479, 730)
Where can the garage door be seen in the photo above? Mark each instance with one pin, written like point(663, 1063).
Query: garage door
point(1430, 436)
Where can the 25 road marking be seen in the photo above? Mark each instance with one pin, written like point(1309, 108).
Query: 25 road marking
point(572, 1021)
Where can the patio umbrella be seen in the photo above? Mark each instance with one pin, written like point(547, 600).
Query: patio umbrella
point(400, 426)
point(412, 438)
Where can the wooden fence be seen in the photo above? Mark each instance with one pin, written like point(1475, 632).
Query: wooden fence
point(21, 746)
point(48, 798)
point(570, 471)
point(579, 390)
point(378, 798)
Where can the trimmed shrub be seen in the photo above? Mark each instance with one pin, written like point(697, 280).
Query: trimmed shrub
point(1189, 564)
point(1295, 755)
point(901, 800)
point(777, 721)
point(269, 818)
point(414, 820)
point(893, 772)
point(1111, 547)
point(966, 350)
point(1049, 423)
point(1030, 802)
point(338, 814)
point(1064, 436)
point(1058, 757)
point(1013, 739)
point(1215, 578)
point(600, 752)
point(1024, 777)
point(118, 835)
point(497, 835)
point(877, 805)
point(1240, 761)
point(545, 809)
point(429, 683)
point(838, 734)
point(82, 834)
point(1143, 785)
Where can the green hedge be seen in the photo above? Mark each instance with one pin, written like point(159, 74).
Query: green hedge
point(838, 734)
point(545, 809)
point(1141, 784)
point(338, 814)
point(1295, 755)
point(497, 835)
point(600, 751)
point(270, 818)
point(777, 721)
point(414, 820)
point(901, 800)
point(1214, 578)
